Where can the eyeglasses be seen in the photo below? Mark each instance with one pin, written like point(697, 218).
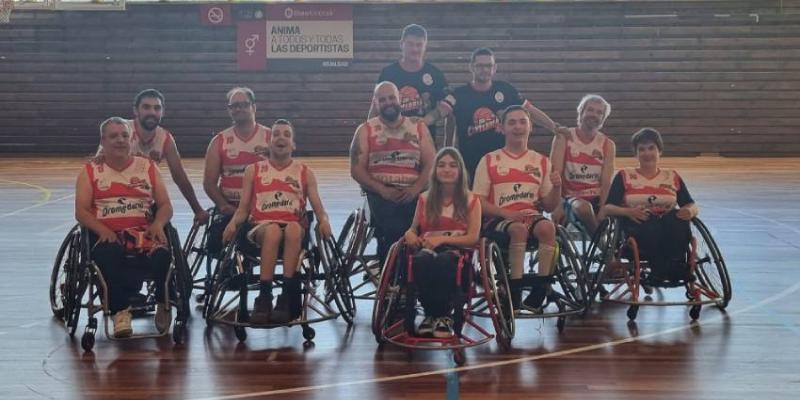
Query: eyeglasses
point(240, 105)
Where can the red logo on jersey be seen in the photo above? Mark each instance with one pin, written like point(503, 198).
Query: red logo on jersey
point(229, 140)
point(138, 183)
point(410, 100)
point(483, 120)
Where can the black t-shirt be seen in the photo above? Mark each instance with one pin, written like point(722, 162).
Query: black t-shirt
point(616, 193)
point(476, 115)
point(420, 91)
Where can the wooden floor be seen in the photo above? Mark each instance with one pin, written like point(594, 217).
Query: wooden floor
point(752, 352)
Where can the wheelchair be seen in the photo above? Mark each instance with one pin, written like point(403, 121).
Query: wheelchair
point(363, 267)
point(325, 286)
point(487, 293)
point(199, 258)
point(706, 280)
point(77, 283)
point(567, 295)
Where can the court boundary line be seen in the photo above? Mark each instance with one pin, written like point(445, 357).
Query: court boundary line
point(631, 339)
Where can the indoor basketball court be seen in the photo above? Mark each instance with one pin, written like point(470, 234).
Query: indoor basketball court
point(716, 78)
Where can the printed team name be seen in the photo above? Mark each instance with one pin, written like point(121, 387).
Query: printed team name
point(278, 203)
point(583, 177)
point(483, 126)
point(514, 197)
point(394, 158)
point(123, 209)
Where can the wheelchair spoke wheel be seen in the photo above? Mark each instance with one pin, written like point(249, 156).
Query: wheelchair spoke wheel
point(571, 272)
point(503, 314)
point(337, 283)
point(711, 271)
point(66, 256)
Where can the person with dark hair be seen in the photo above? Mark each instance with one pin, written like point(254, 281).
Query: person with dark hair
point(514, 184)
point(227, 156)
point(115, 196)
point(274, 196)
point(585, 160)
point(151, 140)
point(422, 86)
point(391, 157)
point(474, 107)
point(656, 206)
point(447, 221)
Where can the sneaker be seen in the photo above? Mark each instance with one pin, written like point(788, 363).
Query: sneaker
point(425, 327)
point(262, 311)
point(443, 328)
point(163, 317)
point(122, 324)
point(534, 300)
point(280, 315)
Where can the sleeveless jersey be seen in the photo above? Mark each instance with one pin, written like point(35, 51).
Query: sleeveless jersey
point(236, 154)
point(583, 166)
point(394, 156)
point(123, 199)
point(659, 194)
point(513, 182)
point(154, 149)
point(446, 224)
point(278, 194)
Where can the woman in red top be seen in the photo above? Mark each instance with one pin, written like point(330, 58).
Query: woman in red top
point(447, 220)
point(657, 208)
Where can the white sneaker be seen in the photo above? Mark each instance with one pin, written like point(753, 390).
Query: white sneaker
point(443, 328)
point(122, 324)
point(425, 327)
point(163, 317)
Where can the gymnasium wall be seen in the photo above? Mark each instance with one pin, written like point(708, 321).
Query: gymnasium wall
point(713, 76)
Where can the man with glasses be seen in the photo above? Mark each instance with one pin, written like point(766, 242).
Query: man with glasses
point(476, 106)
point(227, 156)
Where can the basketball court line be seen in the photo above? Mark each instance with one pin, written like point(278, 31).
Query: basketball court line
point(514, 361)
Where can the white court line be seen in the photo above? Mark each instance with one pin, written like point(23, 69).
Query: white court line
point(520, 360)
point(21, 210)
point(61, 227)
point(32, 324)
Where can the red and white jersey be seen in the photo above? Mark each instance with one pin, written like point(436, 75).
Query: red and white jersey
point(658, 194)
point(279, 195)
point(236, 154)
point(394, 155)
point(155, 148)
point(513, 182)
point(123, 199)
point(447, 224)
point(583, 166)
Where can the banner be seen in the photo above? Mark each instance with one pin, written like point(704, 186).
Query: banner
point(250, 46)
point(309, 36)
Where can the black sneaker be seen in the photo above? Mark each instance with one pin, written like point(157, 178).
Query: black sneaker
point(280, 315)
point(534, 300)
point(425, 327)
point(262, 310)
point(443, 328)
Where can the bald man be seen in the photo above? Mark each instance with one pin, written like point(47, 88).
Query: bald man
point(391, 157)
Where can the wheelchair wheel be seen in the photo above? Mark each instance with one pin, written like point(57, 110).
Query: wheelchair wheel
point(87, 341)
point(710, 270)
point(497, 282)
point(337, 283)
point(195, 254)
point(387, 296)
point(67, 253)
point(603, 247)
point(181, 280)
point(571, 273)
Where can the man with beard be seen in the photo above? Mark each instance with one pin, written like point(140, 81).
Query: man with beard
point(586, 162)
point(391, 158)
point(422, 86)
point(227, 156)
point(151, 140)
point(475, 108)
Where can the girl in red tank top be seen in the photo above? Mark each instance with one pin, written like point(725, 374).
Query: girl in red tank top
point(446, 221)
